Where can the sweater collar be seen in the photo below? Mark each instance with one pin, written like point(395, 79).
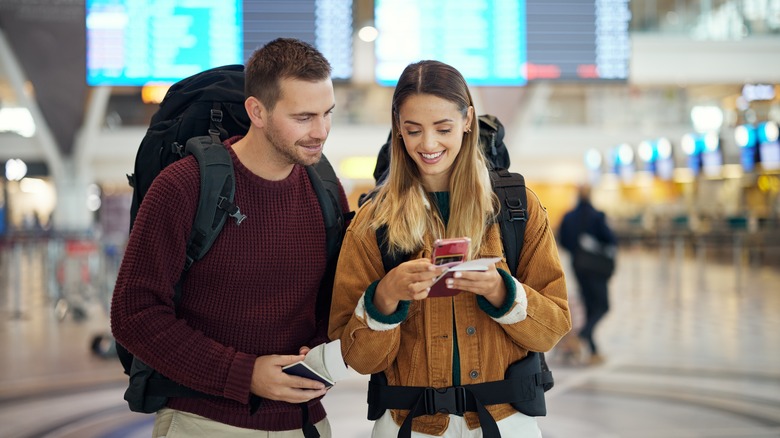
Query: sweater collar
point(243, 172)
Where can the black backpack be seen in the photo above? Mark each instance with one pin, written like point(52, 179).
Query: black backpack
point(195, 116)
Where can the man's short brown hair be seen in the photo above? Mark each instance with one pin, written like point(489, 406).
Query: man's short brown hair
point(282, 58)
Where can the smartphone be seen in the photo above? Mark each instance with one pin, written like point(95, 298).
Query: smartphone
point(448, 253)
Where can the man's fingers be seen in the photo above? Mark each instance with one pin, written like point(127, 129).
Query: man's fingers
point(297, 395)
point(304, 395)
point(297, 382)
point(285, 359)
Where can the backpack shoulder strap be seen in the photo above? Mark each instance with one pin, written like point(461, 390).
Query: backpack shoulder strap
point(148, 390)
point(217, 189)
point(326, 186)
point(513, 217)
point(389, 260)
point(510, 189)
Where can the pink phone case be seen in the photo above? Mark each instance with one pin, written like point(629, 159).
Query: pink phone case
point(448, 252)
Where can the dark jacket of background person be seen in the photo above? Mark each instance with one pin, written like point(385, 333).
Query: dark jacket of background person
point(584, 218)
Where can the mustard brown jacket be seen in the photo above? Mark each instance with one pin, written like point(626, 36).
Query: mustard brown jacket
point(418, 349)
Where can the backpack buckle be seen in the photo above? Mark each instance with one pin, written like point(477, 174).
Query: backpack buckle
point(232, 209)
point(216, 116)
point(515, 210)
point(450, 400)
point(177, 149)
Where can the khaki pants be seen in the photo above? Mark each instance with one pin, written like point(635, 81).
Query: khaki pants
point(170, 423)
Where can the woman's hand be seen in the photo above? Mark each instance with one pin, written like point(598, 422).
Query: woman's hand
point(488, 284)
point(410, 280)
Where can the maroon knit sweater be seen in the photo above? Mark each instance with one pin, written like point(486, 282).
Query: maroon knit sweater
point(253, 294)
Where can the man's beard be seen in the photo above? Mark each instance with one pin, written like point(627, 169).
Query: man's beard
point(285, 151)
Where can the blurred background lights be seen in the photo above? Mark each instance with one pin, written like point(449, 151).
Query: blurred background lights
point(368, 33)
point(593, 159)
point(767, 132)
point(93, 197)
point(15, 169)
point(17, 120)
point(706, 118)
point(625, 154)
point(745, 136)
point(154, 93)
point(711, 142)
point(664, 148)
point(645, 151)
point(688, 144)
point(33, 185)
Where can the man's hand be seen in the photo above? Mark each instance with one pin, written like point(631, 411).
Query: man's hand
point(270, 382)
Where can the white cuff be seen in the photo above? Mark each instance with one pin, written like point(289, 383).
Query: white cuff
point(373, 324)
point(518, 311)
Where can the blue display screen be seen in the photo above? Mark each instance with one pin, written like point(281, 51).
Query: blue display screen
point(506, 42)
point(484, 39)
point(146, 41)
point(137, 42)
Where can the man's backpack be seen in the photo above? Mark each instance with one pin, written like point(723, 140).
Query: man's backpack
point(196, 115)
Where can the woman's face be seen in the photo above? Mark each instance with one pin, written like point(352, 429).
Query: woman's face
point(432, 129)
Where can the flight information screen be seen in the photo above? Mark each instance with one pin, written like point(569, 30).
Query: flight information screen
point(483, 39)
point(506, 42)
point(136, 42)
point(141, 41)
point(578, 40)
point(326, 24)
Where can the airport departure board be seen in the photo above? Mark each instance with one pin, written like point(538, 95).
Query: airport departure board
point(483, 39)
point(136, 42)
point(578, 40)
point(506, 42)
point(327, 24)
point(141, 41)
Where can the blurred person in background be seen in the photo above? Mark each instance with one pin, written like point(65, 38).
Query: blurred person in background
point(585, 234)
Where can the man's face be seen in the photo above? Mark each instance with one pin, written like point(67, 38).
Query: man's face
point(300, 122)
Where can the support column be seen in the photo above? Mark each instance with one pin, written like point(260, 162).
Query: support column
point(72, 214)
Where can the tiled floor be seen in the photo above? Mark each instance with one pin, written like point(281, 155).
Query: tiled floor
point(692, 347)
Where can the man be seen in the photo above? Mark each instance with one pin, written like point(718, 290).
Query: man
point(248, 307)
point(585, 219)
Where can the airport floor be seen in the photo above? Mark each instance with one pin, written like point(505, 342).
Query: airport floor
point(692, 348)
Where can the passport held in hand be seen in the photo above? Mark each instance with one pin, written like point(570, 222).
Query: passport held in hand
point(440, 289)
point(323, 363)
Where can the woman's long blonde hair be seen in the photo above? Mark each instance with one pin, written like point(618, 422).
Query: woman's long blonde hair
point(402, 204)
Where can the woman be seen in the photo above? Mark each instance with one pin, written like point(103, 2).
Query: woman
point(439, 186)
